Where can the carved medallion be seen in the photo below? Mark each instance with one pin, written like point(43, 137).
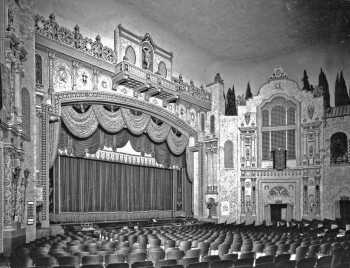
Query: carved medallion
point(62, 78)
point(310, 110)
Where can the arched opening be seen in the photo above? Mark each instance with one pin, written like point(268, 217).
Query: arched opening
point(212, 124)
point(130, 55)
point(339, 148)
point(162, 71)
point(228, 154)
point(202, 122)
point(38, 70)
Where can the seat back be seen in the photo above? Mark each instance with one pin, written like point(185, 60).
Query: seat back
point(221, 264)
point(141, 264)
point(117, 265)
point(198, 265)
point(264, 259)
point(114, 258)
point(306, 263)
point(211, 258)
point(92, 259)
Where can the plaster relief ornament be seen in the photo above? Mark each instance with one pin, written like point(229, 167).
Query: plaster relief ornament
point(310, 110)
point(62, 78)
point(84, 79)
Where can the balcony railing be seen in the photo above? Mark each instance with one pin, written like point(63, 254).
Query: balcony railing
point(140, 79)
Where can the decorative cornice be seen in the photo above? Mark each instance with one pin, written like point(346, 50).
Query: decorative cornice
point(51, 29)
point(63, 98)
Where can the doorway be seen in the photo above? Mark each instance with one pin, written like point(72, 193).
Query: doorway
point(278, 212)
point(344, 206)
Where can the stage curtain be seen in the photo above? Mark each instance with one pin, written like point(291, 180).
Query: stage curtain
point(87, 185)
point(177, 144)
point(83, 125)
point(136, 123)
point(54, 135)
point(158, 133)
point(112, 122)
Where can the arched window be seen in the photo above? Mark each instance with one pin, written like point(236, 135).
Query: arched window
point(291, 116)
point(38, 70)
point(202, 122)
point(228, 154)
point(265, 118)
point(26, 112)
point(339, 148)
point(162, 69)
point(278, 130)
point(278, 116)
point(212, 124)
point(130, 55)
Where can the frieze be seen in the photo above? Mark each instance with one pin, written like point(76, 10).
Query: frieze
point(247, 172)
point(49, 28)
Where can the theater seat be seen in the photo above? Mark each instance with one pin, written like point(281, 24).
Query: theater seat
point(118, 265)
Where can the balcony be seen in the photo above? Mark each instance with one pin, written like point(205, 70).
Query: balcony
point(144, 81)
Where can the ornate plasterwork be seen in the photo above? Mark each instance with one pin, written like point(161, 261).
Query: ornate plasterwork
point(50, 29)
point(84, 79)
point(127, 102)
point(62, 77)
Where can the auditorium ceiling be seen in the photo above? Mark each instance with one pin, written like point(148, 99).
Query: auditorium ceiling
point(246, 29)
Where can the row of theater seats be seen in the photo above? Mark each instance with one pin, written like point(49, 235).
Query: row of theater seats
point(192, 246)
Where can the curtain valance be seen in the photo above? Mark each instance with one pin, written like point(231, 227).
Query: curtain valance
point(100, 138)
point(83, 125)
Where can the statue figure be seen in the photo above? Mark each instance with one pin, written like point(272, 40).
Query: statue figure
point(146, 58)
point(15, 178)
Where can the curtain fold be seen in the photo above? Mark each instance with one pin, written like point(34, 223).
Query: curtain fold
point(158, 133)
point(136, 124)
point(88, 185)
point(177, 144)
point(112, 122)
point(189, 164)
point(54, 136)
point(81, 125)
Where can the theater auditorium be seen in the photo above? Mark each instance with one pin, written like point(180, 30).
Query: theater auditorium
point(175, 134)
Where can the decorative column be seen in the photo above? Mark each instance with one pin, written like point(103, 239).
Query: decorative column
point(75, 66)
point(253, 161)
point(44, 166)
point(94, 79)
point(17, 90)
point(254, 196)
point(52, 57)
point(2, 174)
point(242, 196)
point(318, 195)
point(305, 196)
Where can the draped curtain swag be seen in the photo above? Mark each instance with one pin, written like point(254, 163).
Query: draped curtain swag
point(100, 138)
point(83, 125)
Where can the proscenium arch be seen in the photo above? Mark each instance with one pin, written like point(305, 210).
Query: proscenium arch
point(97, 97)
point(297, 123)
